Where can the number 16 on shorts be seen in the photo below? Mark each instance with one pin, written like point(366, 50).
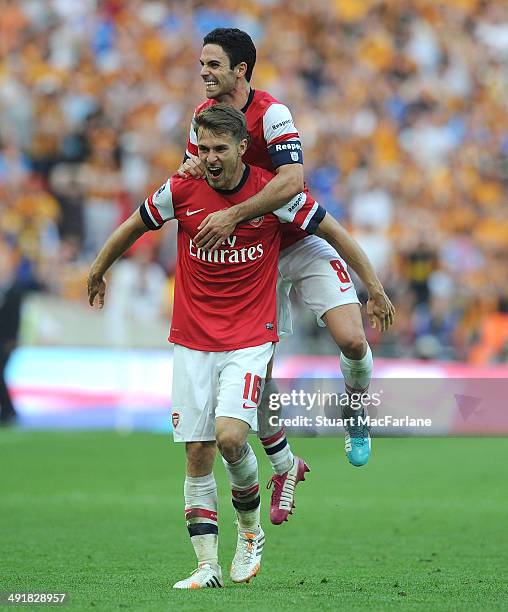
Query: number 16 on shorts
point(251, 390)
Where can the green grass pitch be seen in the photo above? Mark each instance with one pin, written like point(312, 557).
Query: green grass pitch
point(100, 515)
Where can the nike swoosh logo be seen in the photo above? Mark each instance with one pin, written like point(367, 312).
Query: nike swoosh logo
point(247, 407)
point(345, 288)
point(193, 212)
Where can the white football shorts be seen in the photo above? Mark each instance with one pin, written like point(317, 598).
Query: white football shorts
point(207, 385)
point(319, 276)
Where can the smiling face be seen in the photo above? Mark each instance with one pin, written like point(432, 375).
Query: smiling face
point(220, 78)
point(221, 155)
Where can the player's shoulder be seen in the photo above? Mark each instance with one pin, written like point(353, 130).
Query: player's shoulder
point(277, 118)
point(269, 107)
point(263, 99)
point(203, 105)
point(183, 187)
point(179, 182)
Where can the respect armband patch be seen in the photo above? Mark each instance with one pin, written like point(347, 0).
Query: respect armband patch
point(289, 152)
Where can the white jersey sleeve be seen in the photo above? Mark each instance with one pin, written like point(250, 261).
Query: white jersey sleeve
point(192, 143)
point(158, 208)
point(303, 211)
point(281, 136)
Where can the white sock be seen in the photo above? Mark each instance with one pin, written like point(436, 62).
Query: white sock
point(277, 449)
point(243, 476)
point(273, 437)
point(200, 495)
point(357, 374)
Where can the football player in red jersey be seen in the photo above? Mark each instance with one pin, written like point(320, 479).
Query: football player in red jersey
point(317, 271)
point(224, 327)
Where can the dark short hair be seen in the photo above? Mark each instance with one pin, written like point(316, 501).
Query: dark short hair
point(236, 44)
point(223, 119)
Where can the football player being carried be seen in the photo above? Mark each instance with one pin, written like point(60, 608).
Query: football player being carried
point(317, 270)
point(224, 328)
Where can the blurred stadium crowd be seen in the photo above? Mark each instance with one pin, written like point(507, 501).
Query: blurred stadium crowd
point(402, 108)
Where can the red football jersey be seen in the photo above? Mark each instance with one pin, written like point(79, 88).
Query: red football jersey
point(225, 300)
point(274, 141)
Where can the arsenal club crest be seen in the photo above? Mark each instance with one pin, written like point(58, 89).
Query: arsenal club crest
point(256, 222)
point(175, 417)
